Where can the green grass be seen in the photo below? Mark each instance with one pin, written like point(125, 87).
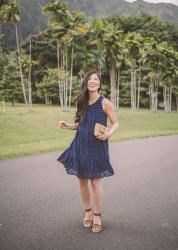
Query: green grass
point(24, 133)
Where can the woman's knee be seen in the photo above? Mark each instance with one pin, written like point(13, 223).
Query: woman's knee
point(83, 181)
point(96, 183)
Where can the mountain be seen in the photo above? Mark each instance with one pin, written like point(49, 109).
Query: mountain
point(121, 7)
point(32, 19)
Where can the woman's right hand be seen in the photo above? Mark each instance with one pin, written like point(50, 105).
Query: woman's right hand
point(63, 124)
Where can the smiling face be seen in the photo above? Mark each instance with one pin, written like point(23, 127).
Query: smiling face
point(93, 83)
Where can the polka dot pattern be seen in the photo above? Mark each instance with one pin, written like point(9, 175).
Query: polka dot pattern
point(87, 156)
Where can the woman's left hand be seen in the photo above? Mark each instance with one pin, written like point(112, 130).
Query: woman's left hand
point(104, 136)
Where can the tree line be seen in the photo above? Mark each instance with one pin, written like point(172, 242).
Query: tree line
point(137, 57)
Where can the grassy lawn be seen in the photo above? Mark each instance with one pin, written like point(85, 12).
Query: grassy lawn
point(24, 133)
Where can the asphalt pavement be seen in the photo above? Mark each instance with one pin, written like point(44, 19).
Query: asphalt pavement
point(41, 208)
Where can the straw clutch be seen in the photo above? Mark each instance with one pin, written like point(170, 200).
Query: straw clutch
point(100, 129)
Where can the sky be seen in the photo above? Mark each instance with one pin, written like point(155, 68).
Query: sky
point(158, 1)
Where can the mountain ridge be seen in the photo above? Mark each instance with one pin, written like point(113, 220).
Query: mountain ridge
point(32, 19)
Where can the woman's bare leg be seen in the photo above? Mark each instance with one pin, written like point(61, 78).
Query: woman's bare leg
point(85, 195)
point(97, 193)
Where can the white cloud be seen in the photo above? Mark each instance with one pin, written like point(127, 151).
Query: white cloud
point(158, 1)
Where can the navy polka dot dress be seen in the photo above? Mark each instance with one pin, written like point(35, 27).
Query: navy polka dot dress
point(87, 156)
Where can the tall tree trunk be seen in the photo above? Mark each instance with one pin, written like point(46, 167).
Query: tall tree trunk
point(157, 86)
point(170, 99)
point(138, 88)
point(59, 76)
point(20, 66)
point(152, 107)
point(62, 77)
point(133, 87)
point(167, 98)
point(66, 79)
point(113, 84)
point(153, 93)
point(46, 99)
point(118, 88)
point(29, 78)
point(71, 76)
point(150, 95)
point(156, 94)
point(164, 97)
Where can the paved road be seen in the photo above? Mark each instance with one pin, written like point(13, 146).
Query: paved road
point(40, 206)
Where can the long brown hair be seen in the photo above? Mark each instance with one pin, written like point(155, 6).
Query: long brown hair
point(83, 98)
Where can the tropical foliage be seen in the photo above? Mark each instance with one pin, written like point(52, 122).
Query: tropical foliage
point(136, 56)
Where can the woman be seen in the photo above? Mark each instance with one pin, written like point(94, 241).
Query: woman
point(87, 157)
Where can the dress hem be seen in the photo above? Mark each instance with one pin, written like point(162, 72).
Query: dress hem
point(74, 172)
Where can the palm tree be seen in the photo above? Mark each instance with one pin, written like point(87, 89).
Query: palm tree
point(154, 59)
point(111, 39)
point(57, 11)
point(9, 12)
point(169, 74)
point(27, 63)
point(65, 27)
point(135, 45)
point(76, 30)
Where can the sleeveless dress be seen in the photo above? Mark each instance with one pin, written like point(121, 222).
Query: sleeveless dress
point(87, 156)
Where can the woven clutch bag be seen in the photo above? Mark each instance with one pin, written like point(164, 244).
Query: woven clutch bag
point(100, 129)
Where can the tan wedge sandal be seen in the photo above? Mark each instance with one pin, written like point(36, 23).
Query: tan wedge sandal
point(96, 228)
point(88, 223)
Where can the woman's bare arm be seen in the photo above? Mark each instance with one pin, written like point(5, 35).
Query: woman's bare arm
point(111, 113)
point(66, 125)
point(74, 126)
